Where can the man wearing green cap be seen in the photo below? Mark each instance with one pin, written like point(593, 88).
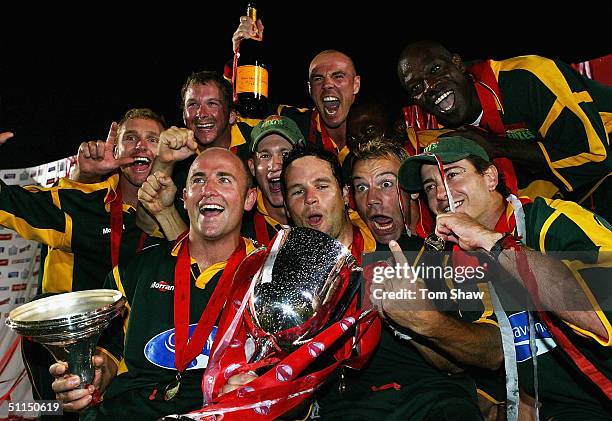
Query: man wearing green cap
point(271, 141)
point(463, 190)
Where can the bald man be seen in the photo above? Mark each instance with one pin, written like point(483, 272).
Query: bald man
point(333, 83)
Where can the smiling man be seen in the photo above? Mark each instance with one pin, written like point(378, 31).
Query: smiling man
point(176, 292)
point(474, 213)
point(210, 120)
point(75, 219)
point(539, 113)
point(78, 222)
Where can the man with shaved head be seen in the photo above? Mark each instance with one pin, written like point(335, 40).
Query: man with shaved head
point(543, 120)
point(175, 293)
point(333, 83)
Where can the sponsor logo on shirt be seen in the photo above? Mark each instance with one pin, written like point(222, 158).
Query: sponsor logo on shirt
point(19, 287)
point(13, 274)
point(20, 300)
point(520, 329)
point(160, 350)
point(519, 131)
point(3, 262)
point(163, 286)
point(6, 236)
point(5, 301)
point(107, 230)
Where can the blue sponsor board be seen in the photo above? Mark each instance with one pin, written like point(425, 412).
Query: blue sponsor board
point(520, 329)
point(160, 349)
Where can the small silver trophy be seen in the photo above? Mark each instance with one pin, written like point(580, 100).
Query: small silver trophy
point(69, 325)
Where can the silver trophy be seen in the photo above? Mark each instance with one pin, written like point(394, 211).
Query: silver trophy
point(305, 284)
point(69, 325)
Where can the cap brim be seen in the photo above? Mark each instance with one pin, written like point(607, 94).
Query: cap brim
point(256, 141)
point(409, 173)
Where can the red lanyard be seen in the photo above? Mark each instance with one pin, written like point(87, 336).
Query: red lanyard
point(261, 229)
point(488, 90)
point(188, 348)
point(328, 143)
point(116, 225)
point(358, 243)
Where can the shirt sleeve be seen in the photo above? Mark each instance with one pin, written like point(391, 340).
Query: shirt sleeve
point(34, 213)
point(583, 242)
point(569, 113)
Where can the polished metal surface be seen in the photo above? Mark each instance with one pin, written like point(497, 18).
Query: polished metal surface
point(69, 325)
point(300, 287)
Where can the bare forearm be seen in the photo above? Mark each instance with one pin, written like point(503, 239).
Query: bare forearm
point(144, 221)
point(435, 358)
point(558, 290)
point(477, 344)
point(171, 223)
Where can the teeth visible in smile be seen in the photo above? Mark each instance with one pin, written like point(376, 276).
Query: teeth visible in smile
point(205, 126)
point(142, 160)
point(457, 204)
point(441, 97)
point(330, 98)
point(206, 208)
point(275, 180)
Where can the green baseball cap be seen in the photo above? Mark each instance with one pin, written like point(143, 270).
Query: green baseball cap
point(447, 149)
point(280, 125)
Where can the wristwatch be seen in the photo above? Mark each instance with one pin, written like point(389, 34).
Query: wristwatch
point(500, 245)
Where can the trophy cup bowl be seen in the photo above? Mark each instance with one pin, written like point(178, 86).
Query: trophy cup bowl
point(69, 325)
point(304, 285)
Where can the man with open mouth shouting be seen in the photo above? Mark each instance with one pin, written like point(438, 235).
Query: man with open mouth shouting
point(333, 83)
point(271, 141)
point(88, 228)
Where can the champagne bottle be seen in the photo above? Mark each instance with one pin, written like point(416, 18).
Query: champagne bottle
point(252, 74)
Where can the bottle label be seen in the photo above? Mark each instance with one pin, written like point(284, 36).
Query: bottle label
point(252, 79)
